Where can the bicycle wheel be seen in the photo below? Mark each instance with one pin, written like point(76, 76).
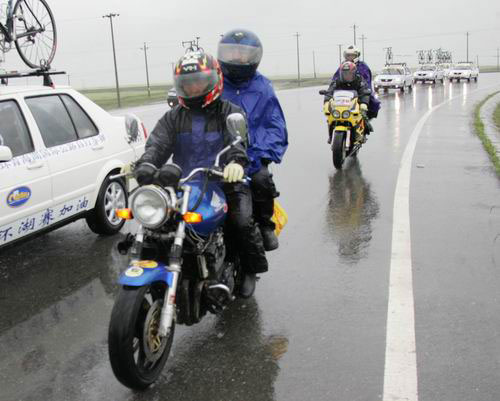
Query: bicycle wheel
point(35, 28)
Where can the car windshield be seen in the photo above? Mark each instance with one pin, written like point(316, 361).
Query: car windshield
point(463, 67)
point(428, 68)
point(392, 71)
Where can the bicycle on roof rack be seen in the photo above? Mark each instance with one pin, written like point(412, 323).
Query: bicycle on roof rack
point(30, 25)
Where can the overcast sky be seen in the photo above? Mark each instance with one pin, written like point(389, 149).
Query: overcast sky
point(85, 52)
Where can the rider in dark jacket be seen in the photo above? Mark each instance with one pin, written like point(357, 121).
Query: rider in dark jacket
point(239, 53)
point(353, 54)
point(350, 79)
point(193, 132)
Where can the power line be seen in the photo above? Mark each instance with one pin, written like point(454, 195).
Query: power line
point(298, 58)
point(145, 48)
point(111, 16)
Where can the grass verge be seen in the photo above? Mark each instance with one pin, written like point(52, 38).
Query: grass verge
point(479, 127)
point(496, 116)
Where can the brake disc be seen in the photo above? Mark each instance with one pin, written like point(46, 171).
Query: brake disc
point(153, 345)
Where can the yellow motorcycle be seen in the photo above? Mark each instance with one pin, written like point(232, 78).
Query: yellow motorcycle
point(346, 125)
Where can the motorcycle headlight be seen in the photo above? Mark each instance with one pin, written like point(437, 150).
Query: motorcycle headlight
point(336, 114)
point(346, 114)
point(151, 206)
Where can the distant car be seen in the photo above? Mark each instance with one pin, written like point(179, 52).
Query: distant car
point(172, 99)
point(58, 150)
point(466, 71)
point(429, 73)
point(394, 76)
point(446, 69)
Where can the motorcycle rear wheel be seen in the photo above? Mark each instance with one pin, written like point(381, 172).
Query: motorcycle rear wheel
point(339, 150)
point(137, 354)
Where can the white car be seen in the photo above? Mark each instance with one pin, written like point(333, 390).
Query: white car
point(466, 71)
point(429, 73)
point(58, 150)
point(394, 76)
point(446, 69)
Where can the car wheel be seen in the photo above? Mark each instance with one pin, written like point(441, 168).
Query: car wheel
point(102, 219)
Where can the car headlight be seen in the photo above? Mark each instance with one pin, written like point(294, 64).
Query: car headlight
point(151, 206)
point(346, 114)
point(336, 114)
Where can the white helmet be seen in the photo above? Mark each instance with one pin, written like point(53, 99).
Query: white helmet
point(352, 53)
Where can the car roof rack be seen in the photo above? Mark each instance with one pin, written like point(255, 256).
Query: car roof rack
point(43, 72)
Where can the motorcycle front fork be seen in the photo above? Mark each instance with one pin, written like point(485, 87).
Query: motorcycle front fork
point(168, 310)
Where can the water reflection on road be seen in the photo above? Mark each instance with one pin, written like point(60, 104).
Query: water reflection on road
point(352, 206)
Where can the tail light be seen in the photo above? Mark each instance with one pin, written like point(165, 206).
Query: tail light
point(144, 130)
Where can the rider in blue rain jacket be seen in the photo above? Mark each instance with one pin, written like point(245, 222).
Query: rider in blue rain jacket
point(239, 53)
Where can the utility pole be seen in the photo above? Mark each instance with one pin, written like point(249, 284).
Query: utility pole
point(498, 57)
point(111, 16)
point(314, 65)
point(477, 61)
point(467, 46)
point(363, 37)
point(354, 27)
point(340, 54)
point(298, 58)
point(145, 48)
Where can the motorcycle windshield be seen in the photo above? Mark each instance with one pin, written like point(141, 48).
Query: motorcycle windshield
point(343, 97)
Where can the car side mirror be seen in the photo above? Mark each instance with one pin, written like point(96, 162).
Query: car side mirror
point(237, 125)
point(5, 154)
point(132, 126)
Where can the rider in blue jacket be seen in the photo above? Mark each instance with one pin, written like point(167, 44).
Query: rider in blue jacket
point(239, 54)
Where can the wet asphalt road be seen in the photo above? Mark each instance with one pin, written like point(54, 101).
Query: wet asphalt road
point(316, 328)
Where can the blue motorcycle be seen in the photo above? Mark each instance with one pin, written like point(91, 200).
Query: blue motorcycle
point(182, 265)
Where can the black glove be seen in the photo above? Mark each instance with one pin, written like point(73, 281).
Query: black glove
point(144, 173)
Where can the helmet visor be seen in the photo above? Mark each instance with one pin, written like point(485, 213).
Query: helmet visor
point(347, 72)
point(233, 53)
point(196, 84)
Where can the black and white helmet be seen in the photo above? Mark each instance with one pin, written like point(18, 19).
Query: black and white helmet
point(352, 53)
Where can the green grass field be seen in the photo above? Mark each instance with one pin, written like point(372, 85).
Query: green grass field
point(138, 95)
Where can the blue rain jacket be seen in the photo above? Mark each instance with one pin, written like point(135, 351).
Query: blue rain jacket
point(267, 136)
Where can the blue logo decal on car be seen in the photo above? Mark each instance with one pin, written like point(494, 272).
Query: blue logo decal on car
point(18, 196)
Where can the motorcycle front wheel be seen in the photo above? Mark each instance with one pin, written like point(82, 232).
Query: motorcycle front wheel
point(136, 352)
point(338, 149)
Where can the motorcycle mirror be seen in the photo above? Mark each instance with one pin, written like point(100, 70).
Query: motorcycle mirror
point(322, 92)
point(5, 154)
point(132, 127)
point(237, 125)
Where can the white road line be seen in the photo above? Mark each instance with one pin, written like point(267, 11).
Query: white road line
point(400, 372)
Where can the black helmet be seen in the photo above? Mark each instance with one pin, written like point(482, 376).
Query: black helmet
point(239, 54)
point(197, 79)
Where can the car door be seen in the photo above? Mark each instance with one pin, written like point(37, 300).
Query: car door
point(25, 184)
point(73, 145)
